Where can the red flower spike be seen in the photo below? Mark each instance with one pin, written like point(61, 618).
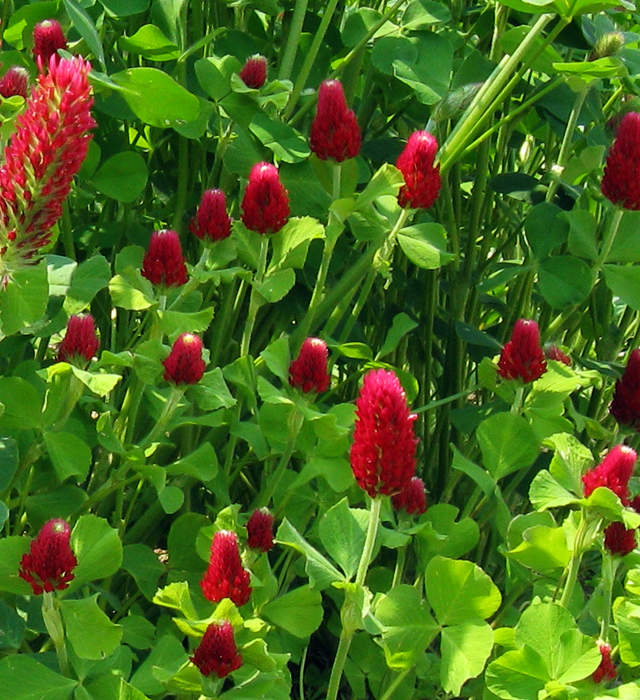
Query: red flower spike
point(217, 652)
point(334, 132)
point(606, 670)
point(613, 473)
point(522, 357)
point(621, 180)
point(260, 530)
point(553, 352)
point(48, 566)
point(619, 540)
point(45, 152)
point(163, 263)
point(80, 343)
point(211, 221)
point(254, 72)
point(421, 176)
point(265, 206)
point(308, 371)
point(15, 82)
point(383, 451)
point(48, 37)
point(412, 499)
point(185, 364)
point(226, 577)
point(625, 406)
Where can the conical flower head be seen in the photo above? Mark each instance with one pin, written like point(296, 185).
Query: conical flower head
point(613, 473)
point(553, 352)
point(185, 365)
point(522, 357)
point(412, 499)
point(260, 530)
point(80, 343)
point(606, 671)
point(621, 180)
point(217, 653)
point(49, 563)
point(625, 406)
point(335, 132)
point(265, 205)
point(48, 37)
point(211, 221)
point(421, 176)
point(15, 82)
point(254, 72)
point(226, 577)
point(45, 152)
point(308, 371)
point(618, 540)
point(163, 263)
point(384, 445)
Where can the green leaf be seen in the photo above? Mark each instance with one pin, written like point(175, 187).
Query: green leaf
point(582, 233)
point(171, 498)
point(627, 617)
point(545, 492)
point(387, 180)
point(400, 326)
point(23, 20)
point(276, 357)
point(517, 674)
point(606, 504)
point(624, 282)
point(277, 285)
point(131, 291)
point(137, 631)
point(23, 678)
point(342, 531)
point(282, 140)
point(168, 653)
point(299, 611)
point(465, 649)
point(125, 8)
point(156, 98)
point(177, 597)
point(564, 281)
point(570, 461)
point(598, 68)
point(545, 229)
point(174, 323)
point(151, 43)
point(59, 273)
point(508, 444)
point(90, 631)
point(12, 550)
point(100, 383)
point(86, 28)
point(22, 404)
point(141, 562)
point(89, 278)
point(407, 626)
point(443, 536)
point(24, 300)
point(214, 75)
point(69, 454)
point(626, 244)
point(542, 548)
point(292, 242)
point(8, 461)
point(98, 550)
point(123, 177)
point(212, 391)
point(430, 76)
point(13, 627)
point(201, 463)
point(459, 590)
point(425, 245)
point(479, 475)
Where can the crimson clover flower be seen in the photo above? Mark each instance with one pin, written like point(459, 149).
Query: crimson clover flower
point(254, 71)
point(613, 473)
point(226, 577)
point(412, 499)
point(265, 205)
point(211, 221)
point(164, 263)
point(621, 180)
point(185, 365)
point(48, 37)
point(15, 82)
point(421, 176)
point(308, 371)
point(48, 565)
point(260, 530)
point(522, 357)
point(606, 670)
point(335, 133)
point(80, 343)
point(217, 652)
point(625, 405)
point(553, 352)
point(384, 445)
point(617, 538)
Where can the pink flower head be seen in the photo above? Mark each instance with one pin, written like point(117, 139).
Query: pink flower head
point(334, 132)
point(15, 82)
point(617, 539)
point(265, 206)
point(606, 670)
point(421, 176)
point(211, 221)
point(254, 72)
point(163, 263)
point(45, 152)
point(48, 37)
point(384, 445)
point(553, 352)
point(613, 472)
point(621, 180)
point(226, 577)
point(309, 370)
point(260, 530)
point(625, 406)
point(80, 343)
point(185, 364)
point(217, 652)
point(48, 565)
point(522, 357)
point(412, 499)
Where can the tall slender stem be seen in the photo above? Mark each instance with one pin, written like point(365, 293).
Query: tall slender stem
point(574, 563)
point(291, 47)
point(254, 301)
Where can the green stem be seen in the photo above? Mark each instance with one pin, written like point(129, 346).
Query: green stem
point(399, 570)
point(369, 542)
point(53, 623)
point(518, 401)
point(395, 683)
point(291, 47)
point(574, 563)
point(255, 299)
point(609, 566)
point(183, 183)
point(609, 237)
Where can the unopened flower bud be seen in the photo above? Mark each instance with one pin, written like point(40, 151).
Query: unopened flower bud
point(185, 364)
point(522, 357)
point(625, 406)
point(308, 371)
point(412, 499)
point(606, 670)
point(48, 565)
point(211, 221)
point(80, 343)
point(265, 205)
point(607, 45)
point(260, 530)
point(621, 179)
point(335, 132)
point(163, 263)
point(15, 82)
point(48, 37)
point(553, 352)
point(217, 653)
point(254, 72)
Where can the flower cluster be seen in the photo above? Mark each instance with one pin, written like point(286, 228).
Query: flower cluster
point(613, 473)
point(15, 82)
point(617, 538)
point(412, 499)
point(164, 263)
point(48, 37)
point(421, 176)
point(335, 133)
point(185, 365)
point(308, 371)
point(226, 577)
point(254, 72)
point(384, 445)
point(625, 406)
point(48, 565)
point(80, 343)
point(621, 180)
point(553, 352)
point(606, 670)
point(265, 205)
point(522, 357)
point(217, 653)
point(211, 222)
point(260, 530)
